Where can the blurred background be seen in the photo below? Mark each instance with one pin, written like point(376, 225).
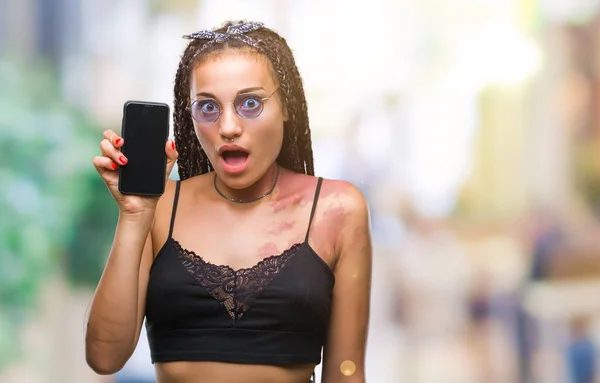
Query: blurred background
point(472, 126)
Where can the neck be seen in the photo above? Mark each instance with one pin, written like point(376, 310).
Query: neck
point(264, 185)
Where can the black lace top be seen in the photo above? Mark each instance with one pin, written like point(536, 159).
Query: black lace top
point(275, 312)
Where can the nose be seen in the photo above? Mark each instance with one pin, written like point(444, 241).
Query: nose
point(230, 125)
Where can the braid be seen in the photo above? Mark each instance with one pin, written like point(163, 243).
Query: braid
point(192, 159)
point(296, 152)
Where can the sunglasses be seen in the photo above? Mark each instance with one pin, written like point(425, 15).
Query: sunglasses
point(246, 105)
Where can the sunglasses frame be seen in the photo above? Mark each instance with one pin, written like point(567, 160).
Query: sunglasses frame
point(221, 105)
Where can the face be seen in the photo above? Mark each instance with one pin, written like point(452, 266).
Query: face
point(241, 150)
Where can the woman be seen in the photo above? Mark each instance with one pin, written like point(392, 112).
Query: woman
point(246, 268)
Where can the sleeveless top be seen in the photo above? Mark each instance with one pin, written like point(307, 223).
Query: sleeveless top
point(275, 312)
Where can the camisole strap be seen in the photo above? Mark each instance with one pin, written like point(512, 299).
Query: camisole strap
point(177, 187)
point(314, 207)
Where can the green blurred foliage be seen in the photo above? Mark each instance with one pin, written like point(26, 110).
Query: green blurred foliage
point(587, 173)
point(56, 216)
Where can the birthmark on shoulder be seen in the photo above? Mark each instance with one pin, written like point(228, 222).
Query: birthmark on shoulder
point(328, 226)
point(336, 188)
point(334, 215)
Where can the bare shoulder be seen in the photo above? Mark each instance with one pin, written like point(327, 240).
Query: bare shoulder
point(195, 183)
point(167, 198)
point(342, 218)
point(348, 200)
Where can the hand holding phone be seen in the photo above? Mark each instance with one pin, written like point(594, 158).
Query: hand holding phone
point(136, 165)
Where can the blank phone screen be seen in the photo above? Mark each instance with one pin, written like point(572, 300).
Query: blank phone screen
point(145, 130)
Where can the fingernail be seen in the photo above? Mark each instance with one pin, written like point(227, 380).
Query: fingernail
point(173, 144)
point(114, 166)
point(123, 160)
point(118, 141)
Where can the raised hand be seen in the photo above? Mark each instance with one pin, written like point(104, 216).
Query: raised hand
point(108, 163)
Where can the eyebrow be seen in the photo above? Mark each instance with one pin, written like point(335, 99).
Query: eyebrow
point(241, 91)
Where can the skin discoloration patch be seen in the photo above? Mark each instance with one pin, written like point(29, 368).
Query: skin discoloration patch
point(331, 223)
point(348, 368)
point(336, 189)
point(267, 250)
point(360, 238)
point(280, 227)
point(283, 204)
point(336, 213)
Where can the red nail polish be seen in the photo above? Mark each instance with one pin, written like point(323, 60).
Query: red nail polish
point(114, 166)
point(173, 144)
point(118, 141)
point(123, 160)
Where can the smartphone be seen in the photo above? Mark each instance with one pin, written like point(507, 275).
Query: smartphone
point(145, 130)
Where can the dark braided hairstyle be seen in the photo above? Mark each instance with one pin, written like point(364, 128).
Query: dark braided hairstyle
point(296, 153)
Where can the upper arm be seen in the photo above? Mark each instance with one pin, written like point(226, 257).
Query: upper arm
point(160, 230)
point(143, 277)
point(346, 342)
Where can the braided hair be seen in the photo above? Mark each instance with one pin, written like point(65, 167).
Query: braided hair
point(296, 153)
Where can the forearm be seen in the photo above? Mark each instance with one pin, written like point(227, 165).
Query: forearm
point(113, 318)
point(338, 377)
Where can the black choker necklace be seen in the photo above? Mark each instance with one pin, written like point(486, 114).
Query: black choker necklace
point(250, 199)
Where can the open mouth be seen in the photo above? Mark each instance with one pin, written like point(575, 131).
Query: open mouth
point(234, 157)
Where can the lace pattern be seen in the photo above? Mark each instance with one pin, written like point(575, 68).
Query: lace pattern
point(236, 290)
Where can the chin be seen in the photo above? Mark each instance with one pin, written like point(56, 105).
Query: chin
point(236, 180)
point(238, 183)
point(240, 180)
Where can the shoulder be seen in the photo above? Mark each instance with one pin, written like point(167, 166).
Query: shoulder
point(346, 197)
point(335, 197)
point(348, 210)
point(343, 215)
point(196, 182)
point(165, 203)
point(168, 195)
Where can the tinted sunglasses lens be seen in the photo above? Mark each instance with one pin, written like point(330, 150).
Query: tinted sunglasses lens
point(205, 111)
point(249, 106)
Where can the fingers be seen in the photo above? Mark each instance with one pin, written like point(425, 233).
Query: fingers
point(104, 163)
point(172, 155)
point(112, 156)
point(112, 151)
point(171, 150)
point(113, 138)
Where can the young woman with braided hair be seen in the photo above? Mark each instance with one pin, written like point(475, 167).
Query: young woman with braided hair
point(249, 267)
